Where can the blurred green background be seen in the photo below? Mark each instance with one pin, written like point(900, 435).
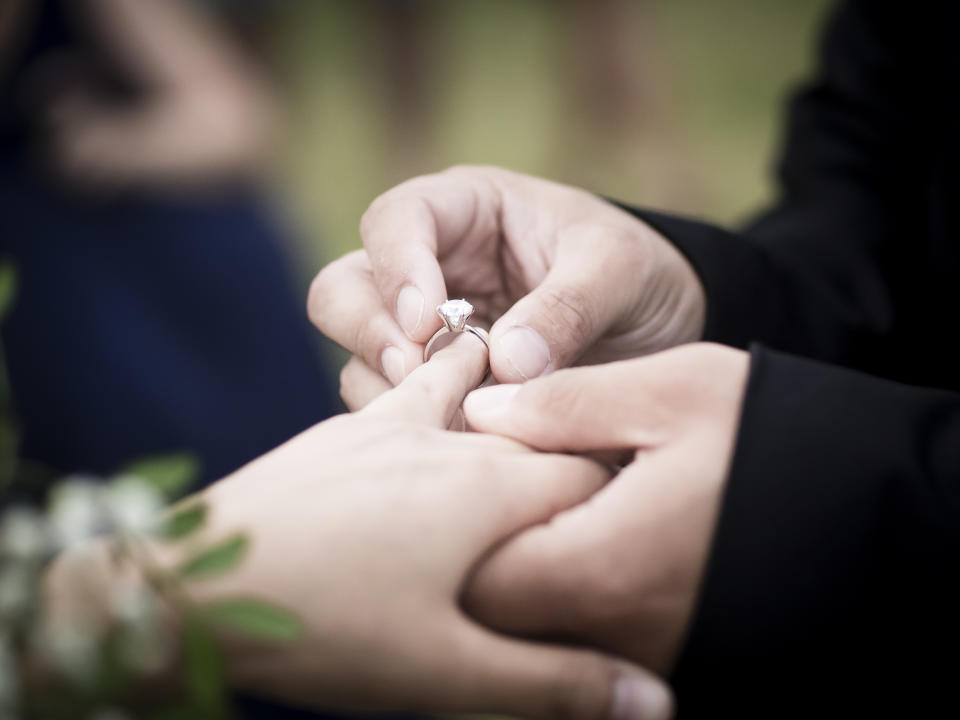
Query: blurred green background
point(669, 103)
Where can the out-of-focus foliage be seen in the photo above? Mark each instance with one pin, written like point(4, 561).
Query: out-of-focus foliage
point(99, 668)
point(103, 664)
point(669, 103)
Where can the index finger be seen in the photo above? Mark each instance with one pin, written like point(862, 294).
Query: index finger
point(407, 228)
point(432, 393)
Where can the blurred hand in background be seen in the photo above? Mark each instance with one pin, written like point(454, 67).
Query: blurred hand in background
point(134, 136)
point(194, 109)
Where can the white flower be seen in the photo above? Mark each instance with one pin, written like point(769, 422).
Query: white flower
point(16, 590)
point(133, 504)
point(76, 512)
point(24, 534)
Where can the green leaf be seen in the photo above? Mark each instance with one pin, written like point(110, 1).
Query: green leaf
point(8, 287)
point(184, 521)
point(203, 666)
point(217, 559)
point(170, 474)
point(258, 619)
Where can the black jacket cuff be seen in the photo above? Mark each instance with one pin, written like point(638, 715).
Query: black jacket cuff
point(832, 575)
point(741, 304)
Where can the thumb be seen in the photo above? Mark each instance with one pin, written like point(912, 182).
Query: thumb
point(588, 289)
point(550, 682)
point(602, 407)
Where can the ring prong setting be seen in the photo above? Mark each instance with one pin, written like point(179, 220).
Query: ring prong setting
point(454, 314)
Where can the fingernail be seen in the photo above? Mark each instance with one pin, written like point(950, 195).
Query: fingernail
point(636, 698)
point(490, 400)
point(410, 309)
point(391, 360)
point(526, 352)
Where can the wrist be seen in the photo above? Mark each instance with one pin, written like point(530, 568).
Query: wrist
point(673, 305)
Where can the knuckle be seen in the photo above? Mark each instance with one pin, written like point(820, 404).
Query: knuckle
point(462, 169)
point(395, 197)
point(370, 216)
point(621, 243)
point(322, 297)
point(487, 177)
point(570, 309)
point(381, 209)
point(555, 396)
point(364, 344)
point(429, 390)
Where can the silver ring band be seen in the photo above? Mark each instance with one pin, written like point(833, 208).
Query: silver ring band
point(454, 314)
point(478, 332)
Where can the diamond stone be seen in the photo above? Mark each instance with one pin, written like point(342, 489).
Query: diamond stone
point(455, 313)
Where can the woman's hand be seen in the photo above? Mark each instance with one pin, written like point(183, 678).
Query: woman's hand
point(621, 571)
point(562, 276)
point(368, 525)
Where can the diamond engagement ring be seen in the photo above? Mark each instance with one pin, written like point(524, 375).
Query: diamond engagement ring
point(454, 314)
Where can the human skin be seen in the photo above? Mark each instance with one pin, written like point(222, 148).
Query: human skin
point(596, 285)
point(621, 571)
point(560, 276)
point(367, 526)
point(206, 118)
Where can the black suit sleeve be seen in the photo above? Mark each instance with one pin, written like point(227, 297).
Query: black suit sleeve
point(823, 273)
point(831, 590)
point(833, 578)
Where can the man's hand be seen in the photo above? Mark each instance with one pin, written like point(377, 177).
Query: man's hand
point(562, 276)
point(368, 525)
point(621, 571)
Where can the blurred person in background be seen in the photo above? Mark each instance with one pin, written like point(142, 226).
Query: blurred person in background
point(156, 311)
